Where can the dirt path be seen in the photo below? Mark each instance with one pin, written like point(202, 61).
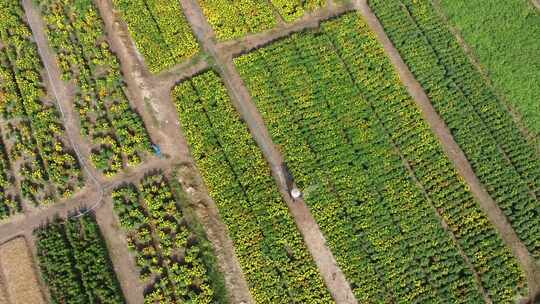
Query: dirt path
point(454, 152)
point(309, 21)
point(332, 275)
point(63, 98)
point(151, 96)
point(518, 119)
point(123, 262)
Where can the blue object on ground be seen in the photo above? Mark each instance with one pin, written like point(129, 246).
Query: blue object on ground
point(157, 150)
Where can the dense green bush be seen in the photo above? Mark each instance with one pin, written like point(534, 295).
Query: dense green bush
point(75, 264)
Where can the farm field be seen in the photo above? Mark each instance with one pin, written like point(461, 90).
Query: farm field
point(235, 19)
point(33, 142)
point(160, 31)
point(276, 263)
point(334, 112)
point(505, 47)
point(74, 262)
point(175, 261)
point(503, 160)
point(19, 280)
point(116, 132)
point(262, 152)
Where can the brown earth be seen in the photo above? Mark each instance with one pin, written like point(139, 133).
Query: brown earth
point(17, 266)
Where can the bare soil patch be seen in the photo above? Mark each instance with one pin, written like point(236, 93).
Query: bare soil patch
point(20, 275)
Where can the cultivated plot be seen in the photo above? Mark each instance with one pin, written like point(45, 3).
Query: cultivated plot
point(176, 263)
point(33, 143)
point(271, 252)
point(116, 133)
point(75, 263)
point(389, 202)
point(504, 161)
point(160, 31)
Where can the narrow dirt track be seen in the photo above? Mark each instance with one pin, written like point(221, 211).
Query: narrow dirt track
point(454, 152)
point(123, 262)
point(151, 96)
point(63, 98)
point(332, 275)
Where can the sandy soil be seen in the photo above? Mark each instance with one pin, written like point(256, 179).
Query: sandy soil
point(17, 266)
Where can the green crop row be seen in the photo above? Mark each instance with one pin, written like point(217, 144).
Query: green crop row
point(9, 204)
point(117, 134)
point(75, 264)
point(235, 19)
point(501, 157)
point(175, 262)
point(348, 130)
point(276, 262)
point(160, 30)
point(34, 136)
point(506, 45)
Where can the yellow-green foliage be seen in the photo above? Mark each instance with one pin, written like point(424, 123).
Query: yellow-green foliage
point(160, 30)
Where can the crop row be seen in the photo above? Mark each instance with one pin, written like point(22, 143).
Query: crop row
point(506, 46)
point(374, 176)
point(271, 252)
point(9, 204)
point(160, 30)
point(501, 157)
point(175, 262)
point(29, 121)
point(234, 19)
point(117, 133)
point(75, 264)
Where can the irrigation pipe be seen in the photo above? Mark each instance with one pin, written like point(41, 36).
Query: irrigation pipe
point(75, 147)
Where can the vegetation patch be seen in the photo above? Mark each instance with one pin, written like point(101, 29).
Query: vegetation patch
point(116, 132)
point(373, 174)
point(275, 260)
point(75, 263)
point(175, 260)
point(33, 135)
point(160, 30)
point(503, 160)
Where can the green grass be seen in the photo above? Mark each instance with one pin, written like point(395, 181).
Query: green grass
point(504, 37)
